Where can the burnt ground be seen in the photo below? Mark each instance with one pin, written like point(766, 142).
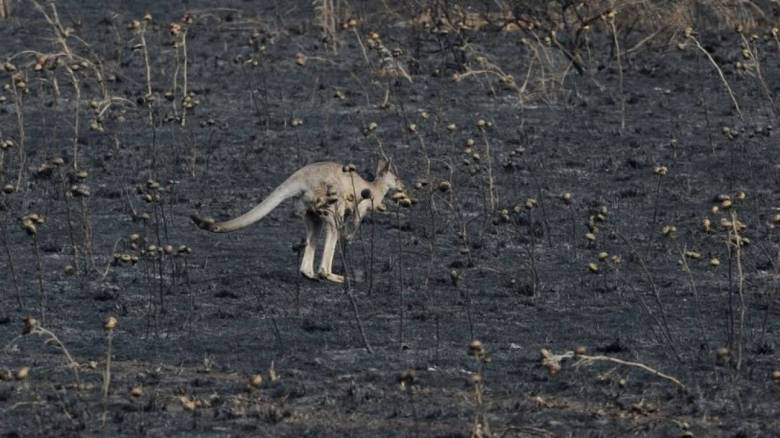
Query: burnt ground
point(194, 328)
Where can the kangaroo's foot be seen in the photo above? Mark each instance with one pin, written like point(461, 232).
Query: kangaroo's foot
point(309, 274)
point(335, 278)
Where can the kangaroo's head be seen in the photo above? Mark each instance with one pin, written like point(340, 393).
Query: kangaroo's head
point(385, 174)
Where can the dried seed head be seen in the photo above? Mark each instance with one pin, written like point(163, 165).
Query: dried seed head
point(476, 348)
point(776, 376)
point(661, 170)
point(8, 189)
point(590, 236)
point(348, 168)
point(407, 378)
point(22, 373)
point(29, 227)
point(30, 324)
point(69, 270)
point(397, 196)
point(80, 191)
point(452, 127)
point(593, 267)
point(109, 324)
point(136, 391)
point(455, 277)
point(693, 255)
point(187, 403)
point(566, 198)
point(714, 262)
point(445, 186)
point(603, 255)
point(668, 230)
point(256, 380)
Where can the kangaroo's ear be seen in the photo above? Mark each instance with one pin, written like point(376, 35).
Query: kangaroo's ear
point(382, 167)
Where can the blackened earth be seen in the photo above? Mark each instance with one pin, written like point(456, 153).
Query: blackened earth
point(270, 96)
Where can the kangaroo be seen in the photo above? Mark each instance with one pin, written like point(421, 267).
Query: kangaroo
point(327, 192)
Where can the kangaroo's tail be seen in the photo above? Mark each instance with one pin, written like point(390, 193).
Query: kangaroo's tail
point(288, 189)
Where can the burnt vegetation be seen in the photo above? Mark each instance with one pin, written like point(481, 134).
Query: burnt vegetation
point(586, 245)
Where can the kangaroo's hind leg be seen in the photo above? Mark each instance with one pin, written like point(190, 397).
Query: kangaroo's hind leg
point(313, 227)
point(329, 250)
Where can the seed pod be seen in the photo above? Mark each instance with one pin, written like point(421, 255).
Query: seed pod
point(30, 324)
point(693, 254)
point(136, 391)
point(22, 373)
point(80, 191)
point(29, 227)
point(397, 196)
point(407, 378)
point(476, 348)
point(707, 223)
point(109, 324)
